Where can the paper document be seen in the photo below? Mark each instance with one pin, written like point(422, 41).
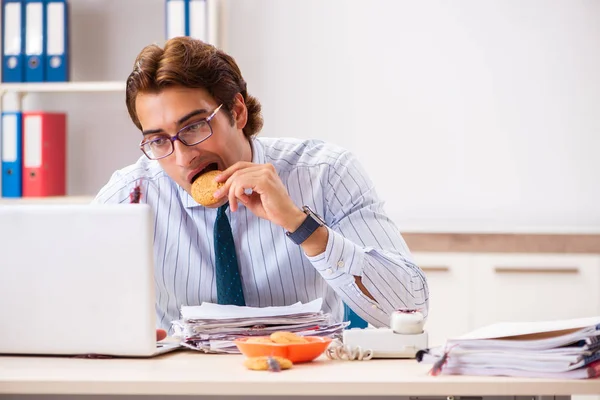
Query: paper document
point(218, 311)
point(506, 329)
point(213, 328)
point(591, 371)
point(567, 348)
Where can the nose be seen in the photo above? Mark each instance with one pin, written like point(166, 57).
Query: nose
point(183, 154)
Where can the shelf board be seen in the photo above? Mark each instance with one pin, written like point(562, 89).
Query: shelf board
point(108, 86)
point(47, 200)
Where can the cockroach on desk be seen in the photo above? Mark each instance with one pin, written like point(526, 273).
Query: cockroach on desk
point(273, 364)
point(436, 369)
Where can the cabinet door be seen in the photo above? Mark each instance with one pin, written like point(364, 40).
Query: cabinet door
point(448, 280)
point(534, 287)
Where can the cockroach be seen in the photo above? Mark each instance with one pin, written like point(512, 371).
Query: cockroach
point(273, 364)
point(408, 310)
point(436, 369)
point(136, 194)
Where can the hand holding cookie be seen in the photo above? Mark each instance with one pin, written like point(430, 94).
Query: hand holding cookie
point(269, 198)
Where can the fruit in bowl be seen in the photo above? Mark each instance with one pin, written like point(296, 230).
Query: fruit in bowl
point(297, 349)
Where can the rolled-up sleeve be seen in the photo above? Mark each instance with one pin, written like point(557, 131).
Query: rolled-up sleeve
point(364, 242)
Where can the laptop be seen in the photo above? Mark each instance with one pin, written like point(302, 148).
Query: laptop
point(78, 280)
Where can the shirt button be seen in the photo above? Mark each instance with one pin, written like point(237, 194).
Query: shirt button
point(329, 271)
point(340, 264)
point(374, 306)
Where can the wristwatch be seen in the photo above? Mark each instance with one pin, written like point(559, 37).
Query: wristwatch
point(310, 224)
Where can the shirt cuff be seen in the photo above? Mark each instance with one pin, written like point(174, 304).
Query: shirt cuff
point(341, 260)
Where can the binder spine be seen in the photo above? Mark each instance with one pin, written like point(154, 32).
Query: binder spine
point(197, 19)
point(12, 168)
point(35, 41)
point(57, 61)
point(177, 21)
point(186, 16)
point(13, 48)
point(44, 154)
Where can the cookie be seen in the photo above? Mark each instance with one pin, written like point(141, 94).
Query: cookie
point(286, 337)
point(259, 340)
point(262, 363)
point(204, 186)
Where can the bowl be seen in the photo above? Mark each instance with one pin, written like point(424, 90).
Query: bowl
point(295, 352)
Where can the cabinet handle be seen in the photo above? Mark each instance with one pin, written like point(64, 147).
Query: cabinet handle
point(435, 268)
point(533, 270)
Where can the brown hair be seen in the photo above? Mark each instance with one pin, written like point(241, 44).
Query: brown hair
point(194, 64)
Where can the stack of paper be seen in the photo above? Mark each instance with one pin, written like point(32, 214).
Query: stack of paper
point(567, 349)
point(212, 328)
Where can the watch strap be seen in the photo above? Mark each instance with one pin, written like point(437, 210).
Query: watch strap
point(308, 226)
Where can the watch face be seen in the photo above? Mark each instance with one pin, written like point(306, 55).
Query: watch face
point(310, 212)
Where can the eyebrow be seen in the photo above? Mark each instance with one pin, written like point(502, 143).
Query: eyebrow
point(179, 122)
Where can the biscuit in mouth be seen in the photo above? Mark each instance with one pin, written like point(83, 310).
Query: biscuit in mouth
point(204, 186)
point(208, 168)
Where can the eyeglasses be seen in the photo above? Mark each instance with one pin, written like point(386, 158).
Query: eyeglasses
point(161, 146)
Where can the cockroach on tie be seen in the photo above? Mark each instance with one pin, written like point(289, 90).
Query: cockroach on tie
point(436, 369)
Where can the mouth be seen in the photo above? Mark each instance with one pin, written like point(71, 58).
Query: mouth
point(209, 167)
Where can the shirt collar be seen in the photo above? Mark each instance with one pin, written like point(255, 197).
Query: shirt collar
point(258, 151)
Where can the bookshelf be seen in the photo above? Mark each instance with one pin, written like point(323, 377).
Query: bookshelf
point(47, 200)
point(21, 89)
point(100, 60)
point(57, 87)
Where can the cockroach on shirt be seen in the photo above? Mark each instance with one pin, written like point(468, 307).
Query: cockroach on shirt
point(135, 196)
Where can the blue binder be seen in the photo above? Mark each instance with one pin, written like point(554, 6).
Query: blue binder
point(177, 13)
point(35, 44)
point(13, 46)
point(11, 133)
point(57, 59)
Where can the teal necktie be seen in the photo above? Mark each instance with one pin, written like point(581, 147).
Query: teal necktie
point(229, 283)
point(355, 320)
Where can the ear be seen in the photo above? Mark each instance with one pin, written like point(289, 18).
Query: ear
point(240, 111)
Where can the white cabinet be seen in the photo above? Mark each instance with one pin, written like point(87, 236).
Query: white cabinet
point(448, 279)
point(470, 290)
point(534, 287)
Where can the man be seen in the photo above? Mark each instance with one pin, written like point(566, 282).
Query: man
point(191, 103)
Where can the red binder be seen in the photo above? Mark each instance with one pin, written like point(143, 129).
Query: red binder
point(44, 154)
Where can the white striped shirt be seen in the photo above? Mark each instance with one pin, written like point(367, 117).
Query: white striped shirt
point(363, 241)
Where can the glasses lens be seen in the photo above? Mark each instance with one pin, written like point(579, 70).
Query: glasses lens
point(158, 148)
point(195, 133)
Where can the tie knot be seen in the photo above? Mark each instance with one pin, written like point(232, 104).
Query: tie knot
point(221, 210)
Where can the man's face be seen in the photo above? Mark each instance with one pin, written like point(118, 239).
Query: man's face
point(167, 112)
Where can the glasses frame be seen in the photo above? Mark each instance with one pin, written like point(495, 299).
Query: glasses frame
point(172, 139)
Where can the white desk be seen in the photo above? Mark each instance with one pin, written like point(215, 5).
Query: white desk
point(192, 373)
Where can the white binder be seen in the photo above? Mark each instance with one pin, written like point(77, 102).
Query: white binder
point(176, 18)
point(198, 20)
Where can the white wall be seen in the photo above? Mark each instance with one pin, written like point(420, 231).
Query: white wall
point(463, 113)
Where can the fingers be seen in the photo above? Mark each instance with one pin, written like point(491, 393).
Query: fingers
point(223, 176)
point(160, 334)
point(243, 178)
point(241, 181)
